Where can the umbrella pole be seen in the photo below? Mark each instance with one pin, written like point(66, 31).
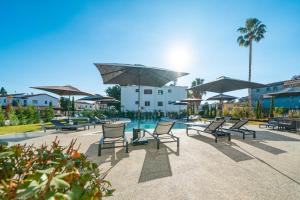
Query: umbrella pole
point(139, 100)
point(69, 109)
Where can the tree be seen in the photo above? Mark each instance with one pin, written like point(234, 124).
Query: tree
point(12, 117)
point(2, 116)
point(3, 91)
point(254, 30)
point(64, 104)
point(115, 92)
point(197, 81)
point(48, 114)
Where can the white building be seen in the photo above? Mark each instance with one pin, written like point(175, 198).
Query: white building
point(37, 100)
point(153, 98)
point(82, 105)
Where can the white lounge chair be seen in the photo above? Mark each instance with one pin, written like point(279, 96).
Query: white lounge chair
point(113, 133)
point(163, 128)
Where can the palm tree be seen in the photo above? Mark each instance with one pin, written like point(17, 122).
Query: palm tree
point(197, 81)
point(254, 30)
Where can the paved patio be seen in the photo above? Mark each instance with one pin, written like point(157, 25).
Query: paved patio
point(267, 167)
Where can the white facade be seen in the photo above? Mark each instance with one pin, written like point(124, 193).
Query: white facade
point(37, 100)
point(82, 105)
point(153, 98)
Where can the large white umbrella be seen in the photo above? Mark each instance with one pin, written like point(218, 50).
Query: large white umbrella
point(140, 75)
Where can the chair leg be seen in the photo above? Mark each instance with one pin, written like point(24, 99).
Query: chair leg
point(99, 150)
point(126, 147)
point(243, 135)
point(187, 131)
point(157, 144)
point(177, 142)
point(229, 137)
point(216, 138)
point(254, 135)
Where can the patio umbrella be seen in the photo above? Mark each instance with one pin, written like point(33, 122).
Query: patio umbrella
point(95, 97)
point(66, 90)
point(127, 74)
point(226, 84)
point(221, 97)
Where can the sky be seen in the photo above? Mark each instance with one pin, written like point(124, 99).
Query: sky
point(56, 42)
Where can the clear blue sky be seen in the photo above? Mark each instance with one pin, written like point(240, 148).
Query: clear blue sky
point(57, 42)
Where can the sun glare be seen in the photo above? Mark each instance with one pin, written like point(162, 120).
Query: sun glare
point(179, 56)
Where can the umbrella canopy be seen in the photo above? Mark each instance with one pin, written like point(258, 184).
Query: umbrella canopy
point(66, 90)
point(127, 74)
point(106, 101)
point(191, 100)
point(180, 103)
point(290, 91)
point(221, 97)
point(96, 97)
point(226, 84)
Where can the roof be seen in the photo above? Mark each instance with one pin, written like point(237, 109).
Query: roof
point(33, 95)
point(16, 94)
point(83, 102)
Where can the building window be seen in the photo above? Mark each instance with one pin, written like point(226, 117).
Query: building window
point(4, 100)
point(268, 89)
point(46, 102)
point(25, 102)
point(136, 90)
point(160, 92)
point(169, 91)
point(147, 103)
point(35, 102)
point(50, 103)
point(136, 102)
point(275, 88)
point(159, 103)
point(147, 91)
point(257, 90)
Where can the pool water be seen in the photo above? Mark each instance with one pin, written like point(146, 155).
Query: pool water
point(149, 124)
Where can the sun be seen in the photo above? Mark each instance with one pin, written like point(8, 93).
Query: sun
point(179, 56)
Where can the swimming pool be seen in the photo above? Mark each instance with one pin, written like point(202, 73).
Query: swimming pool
point(149, 124)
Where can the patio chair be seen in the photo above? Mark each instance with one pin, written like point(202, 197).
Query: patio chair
point(272, 123)
point(214, 128)
point(239, 127)
point(112, 133)
point(288, 125)
point(60, 126)
point(163, 128)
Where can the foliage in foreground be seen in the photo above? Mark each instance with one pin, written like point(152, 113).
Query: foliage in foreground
point(49, 172)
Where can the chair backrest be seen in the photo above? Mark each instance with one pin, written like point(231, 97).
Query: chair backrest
point(213, 126)
point(239, 124)
point(163, 127)
point(57, 123)
point(113, 130)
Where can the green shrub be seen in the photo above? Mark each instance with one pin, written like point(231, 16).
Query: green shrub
point(21, 116)
point(49, 172)
point(11, 116)
point(31, 115)
point(2, 116)
point(48, 114)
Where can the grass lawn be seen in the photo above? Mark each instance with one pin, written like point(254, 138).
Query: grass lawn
point(19, 128)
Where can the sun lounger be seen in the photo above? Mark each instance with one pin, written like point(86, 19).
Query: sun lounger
point(239, 127)
point(112, 134)
point(214, 128)
point(162, 129)
point(61, 126)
